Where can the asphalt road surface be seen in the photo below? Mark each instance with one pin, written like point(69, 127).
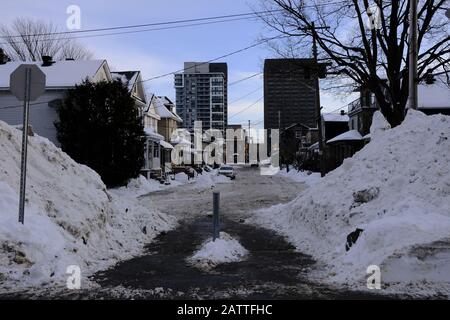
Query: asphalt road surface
point(273, 270)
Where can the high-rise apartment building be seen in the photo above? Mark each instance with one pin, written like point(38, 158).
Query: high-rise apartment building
point(290, 99)
point(289, 93)
point(201, 95)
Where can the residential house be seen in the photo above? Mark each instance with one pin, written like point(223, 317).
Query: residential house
point(170, 121)
point(152, 151)
point(361, 110)
point(340, 147)
point(293, 139)
point(60, 77)
point(434, 98)
point(168, 124)
point(333, 124)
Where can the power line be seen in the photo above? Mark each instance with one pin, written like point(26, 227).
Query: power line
point(244, 96)
point(215, 59)
point(241, 80)
point(246, 108)
point(153, 24)
point(126, 32)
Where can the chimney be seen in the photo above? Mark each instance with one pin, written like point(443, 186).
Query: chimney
point(3, 57)
point(47, 61)
point(342, 112)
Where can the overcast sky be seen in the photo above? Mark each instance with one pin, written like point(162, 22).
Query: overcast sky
point(162, 51)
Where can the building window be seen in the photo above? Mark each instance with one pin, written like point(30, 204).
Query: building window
point(156, 150)
point(307, 73)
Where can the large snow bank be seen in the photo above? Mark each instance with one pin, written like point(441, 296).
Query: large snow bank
point(226, 249)
point(70, 218)
point(397, 188)
point(142, 186)
point(306, 177)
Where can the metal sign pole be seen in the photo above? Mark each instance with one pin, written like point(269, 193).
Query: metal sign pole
point(23, 171)
point(216, 227)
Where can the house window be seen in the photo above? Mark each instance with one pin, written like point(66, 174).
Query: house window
point(156, 150)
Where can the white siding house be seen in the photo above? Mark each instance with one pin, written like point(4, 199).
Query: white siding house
point(64, 75)
point(60, 76)
point(152, 152)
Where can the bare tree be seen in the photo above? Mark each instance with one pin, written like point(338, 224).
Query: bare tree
point(29, 40)
point(372, 55)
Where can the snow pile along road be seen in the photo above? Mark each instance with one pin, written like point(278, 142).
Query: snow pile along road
point(142, 186)
point(397, 189)
point(307, 177)
point(70, 218)
point(223, 250)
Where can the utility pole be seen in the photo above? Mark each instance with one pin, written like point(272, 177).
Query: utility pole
point(318, 107)
point(279, 121)
point(248, 143)
point(280, 139)
point(413, 96)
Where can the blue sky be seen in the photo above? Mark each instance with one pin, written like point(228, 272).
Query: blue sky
point(163, 51)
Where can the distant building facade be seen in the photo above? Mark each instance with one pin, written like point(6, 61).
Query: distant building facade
point(289, 93)
point(202, 95)
point(239, 142)
point(290, 87)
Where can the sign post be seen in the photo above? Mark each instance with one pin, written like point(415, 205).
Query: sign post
point(27, 83)
point(216, 227)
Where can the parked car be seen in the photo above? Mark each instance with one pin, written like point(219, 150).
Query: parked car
point(227, 171)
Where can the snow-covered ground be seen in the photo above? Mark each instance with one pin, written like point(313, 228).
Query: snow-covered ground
point(307, 177)
point(226, 249)
point(141, 186)
point(70, 218)
point(397, 188)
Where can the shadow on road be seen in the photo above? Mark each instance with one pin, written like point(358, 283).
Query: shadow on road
point(273, 270)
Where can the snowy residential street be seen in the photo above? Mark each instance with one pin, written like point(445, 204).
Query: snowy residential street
point(273, 269)
point(225, 159)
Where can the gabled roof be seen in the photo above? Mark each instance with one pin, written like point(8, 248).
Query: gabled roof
point(133, 81)
point(166, 100)
point(163, 111)
point(128, 78)
point(352, 135)
point(61, 74)
point(335, 117)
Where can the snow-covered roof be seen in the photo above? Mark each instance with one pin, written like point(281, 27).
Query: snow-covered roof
point(435, 95)
point(352, 135)
point(150, 132)
point(335, 117)
point(180, 140)
point(128, 78)
point(163, 112)
point(166, 145)
point(65, 73)
point(314, 146)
